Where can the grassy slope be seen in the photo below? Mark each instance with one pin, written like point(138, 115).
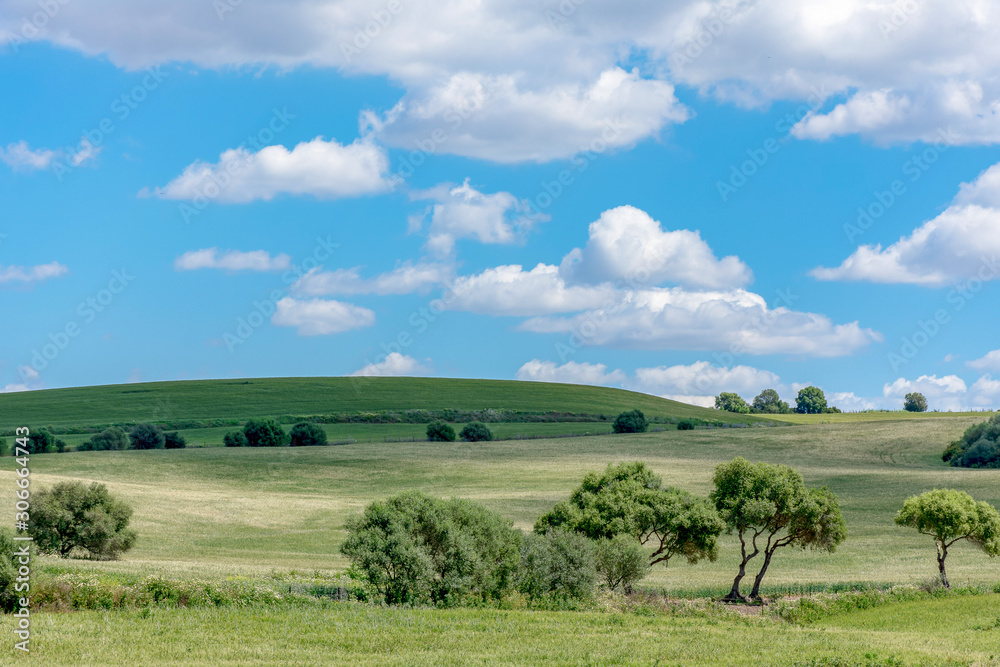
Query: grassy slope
point(938, 632)
point(896, 415)
point(207, 399)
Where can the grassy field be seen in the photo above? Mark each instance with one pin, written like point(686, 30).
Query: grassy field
point(239, 399)
point(854, 417)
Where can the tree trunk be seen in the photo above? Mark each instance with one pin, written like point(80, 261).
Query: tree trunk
point(755, 593)
point(942, 554)
point(734, 593)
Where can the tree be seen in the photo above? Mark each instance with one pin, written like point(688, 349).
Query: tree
point(235, 439)
point(265, 432)
point(414, 548)
point(147, 436)
point(630, 499)
point(771, 502)
point(43, 442)
point(632, 421)
point(438, 431)
point(731, 402)
point(621, 562)
point(915, 402)
point(768, 402)
point(948, 516)
point(113, 438)
point(72, 515)
point(979, 446)
point(810, 401)
point(476, 432)
point(305, 434)
point(557, 564)
point(174, 440)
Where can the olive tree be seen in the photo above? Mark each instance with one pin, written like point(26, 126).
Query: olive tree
point(948, 516)
point(630, 499)
point(73, 516)
point(769, 507)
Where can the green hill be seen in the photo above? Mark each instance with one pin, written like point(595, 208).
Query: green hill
point(239, 399)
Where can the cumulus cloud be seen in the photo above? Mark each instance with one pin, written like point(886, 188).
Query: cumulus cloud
point(626, 243)
point(395, 364)
point(988, 362)
point(323, 169)
point(404, 279)
point(20, 156)
point(510, 290)
point(316, 317)
point(31, 274)
point(571, 372)
point(948, 392)
point(464, 212)
point(697, 382)
point(962, 243)
point(232, 260)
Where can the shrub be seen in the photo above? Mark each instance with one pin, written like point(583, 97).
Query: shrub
point(307, 435)
point(113, 438)
point(147, 436)
point(979, 446)
point(685, 425)
point(621, 562)
point(265, 432)
point(438, 431)
point(235, 439)
point(41, 442)
point(476, 432)
point(413, 548)
point(632, 421)
point(72, 516)
point(174, 440)
point(558, 564)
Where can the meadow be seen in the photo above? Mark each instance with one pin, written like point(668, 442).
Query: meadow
point(219, 512)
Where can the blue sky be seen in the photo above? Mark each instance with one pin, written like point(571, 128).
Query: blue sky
point(680, 199)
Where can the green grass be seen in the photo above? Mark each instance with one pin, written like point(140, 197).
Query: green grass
point(853, 417)
point(240, 399)
point(938, 632)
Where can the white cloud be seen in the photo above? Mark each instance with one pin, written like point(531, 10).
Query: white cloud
point(702, 379)
point(848, 401)
point(510, 290)
point(29, 381)
point(505, 119)
point(948, 392)
point(986, 393)
point(395, 364)
point(404, 279)
point(464, 212)
point(317, 317)
point(23, 157)
point(989, 362)
point(31, 274)
point(686, 320)
point(961, 243)
point(232, 260)
point(85, 153)
point(626, 243)
point(323, 169)
point(571, 372)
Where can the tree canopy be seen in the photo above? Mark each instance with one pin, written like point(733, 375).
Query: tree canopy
point(769, 507)
point(948, 516)
point(915, 402)
point(731, 402)
point(810, 401)
point(72, 515)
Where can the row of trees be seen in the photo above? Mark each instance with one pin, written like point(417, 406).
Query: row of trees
point(810, 400)
point(439, 431)
point(267, 432)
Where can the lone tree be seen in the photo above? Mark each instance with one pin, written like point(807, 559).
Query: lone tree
point(72, 515)
point(768, 402)
point(632, 421)
point(810, 401)
point(769, 507)
point(948, 516)
point(630, 499)
point(915, 402)
point(731, 402)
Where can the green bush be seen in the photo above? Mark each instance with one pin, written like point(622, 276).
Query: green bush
point(235, 439)
point(113, 439)
point(621, 562)
point(979, 446)
point(307, 435)
point(632, 421)
point(438, 431)
point(476, 432)
point(174, 440)
point(41, 442)
point(685, 425)
point(73, 516)
point(265, 432)
point(559, 564)
point(413, 549)
point(147, 436)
